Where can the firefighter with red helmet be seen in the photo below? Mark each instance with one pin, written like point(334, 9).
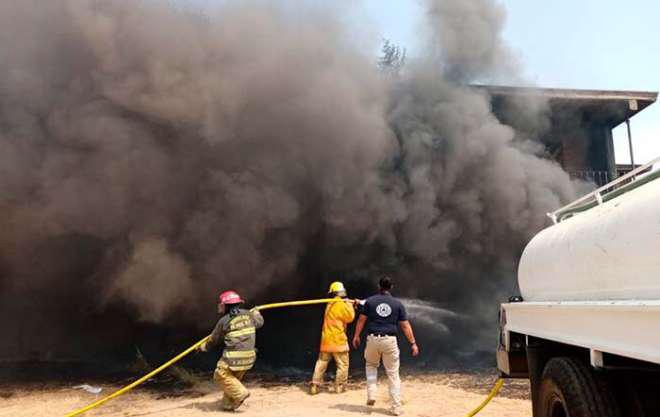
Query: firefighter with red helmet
point(237, 329)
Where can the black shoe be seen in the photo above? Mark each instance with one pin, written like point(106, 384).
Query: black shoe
point(370, 403)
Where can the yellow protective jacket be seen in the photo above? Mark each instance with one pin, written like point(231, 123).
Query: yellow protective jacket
point(333, 334)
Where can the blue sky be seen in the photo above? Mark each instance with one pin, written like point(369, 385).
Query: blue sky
point(593, 44)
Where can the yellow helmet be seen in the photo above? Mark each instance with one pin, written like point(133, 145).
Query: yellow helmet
point(337, 288)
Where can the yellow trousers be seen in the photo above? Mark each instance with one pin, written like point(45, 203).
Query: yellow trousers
point(341, 362)
point(234, 392)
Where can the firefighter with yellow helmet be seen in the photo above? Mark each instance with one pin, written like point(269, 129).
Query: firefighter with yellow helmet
point(334, 342)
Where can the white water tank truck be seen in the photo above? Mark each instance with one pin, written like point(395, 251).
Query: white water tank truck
point(586, 328)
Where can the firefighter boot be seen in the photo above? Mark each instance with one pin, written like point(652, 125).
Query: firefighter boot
point(241, 400)
point(226, 404)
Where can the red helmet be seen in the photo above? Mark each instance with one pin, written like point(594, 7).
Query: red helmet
point(230, 297)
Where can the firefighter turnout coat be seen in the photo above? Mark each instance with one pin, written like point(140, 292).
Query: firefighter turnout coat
point(238, 331)
point(333, 335)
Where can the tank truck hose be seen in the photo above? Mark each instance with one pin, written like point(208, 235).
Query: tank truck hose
point(484, 403)
point(194, 347)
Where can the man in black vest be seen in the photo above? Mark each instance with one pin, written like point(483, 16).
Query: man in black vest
point(383, 315)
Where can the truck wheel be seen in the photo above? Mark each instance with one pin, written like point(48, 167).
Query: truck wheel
point(569, 388)
point(637, 394)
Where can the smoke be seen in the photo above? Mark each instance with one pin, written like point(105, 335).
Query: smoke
point(152, 278)
point(151, 156)
point(467, 40)
point(427, 315)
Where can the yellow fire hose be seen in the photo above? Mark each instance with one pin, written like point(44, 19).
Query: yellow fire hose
point(187, 352)
point(139, 381)
point(493, 393)
point(194, 347)
point(298, 303)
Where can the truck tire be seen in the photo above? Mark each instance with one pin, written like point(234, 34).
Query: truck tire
point(637, 393)
point(569, 388)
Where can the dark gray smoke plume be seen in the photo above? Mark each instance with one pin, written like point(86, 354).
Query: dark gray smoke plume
point(151, 157)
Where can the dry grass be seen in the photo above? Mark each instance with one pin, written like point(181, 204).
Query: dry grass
point(425, 395)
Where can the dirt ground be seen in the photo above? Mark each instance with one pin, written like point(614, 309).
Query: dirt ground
point(433, 395)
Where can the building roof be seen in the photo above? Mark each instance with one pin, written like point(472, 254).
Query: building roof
point(609, 106)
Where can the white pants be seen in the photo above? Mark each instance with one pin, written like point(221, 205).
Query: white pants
point(387, 349)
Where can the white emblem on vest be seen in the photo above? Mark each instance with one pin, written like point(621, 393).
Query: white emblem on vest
point(384, 310)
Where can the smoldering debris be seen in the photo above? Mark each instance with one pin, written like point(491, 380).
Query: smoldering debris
point(152, 156)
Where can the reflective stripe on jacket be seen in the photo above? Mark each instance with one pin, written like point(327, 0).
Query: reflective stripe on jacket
point(239, 335)
point(333, 334)
point(239, 360)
